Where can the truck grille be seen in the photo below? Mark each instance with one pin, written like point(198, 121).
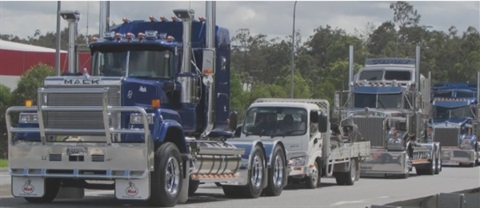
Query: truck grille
point(79, 120)
point(371, 129)
point(446, 136)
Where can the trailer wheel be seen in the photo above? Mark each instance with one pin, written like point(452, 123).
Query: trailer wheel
point(313, 181)
point(166, 178)
point(277, 173)
point(51, 189)
point(193, 186)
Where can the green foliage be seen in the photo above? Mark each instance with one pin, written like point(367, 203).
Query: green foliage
point(3, 163)
point(5, 100)
point(29, 82)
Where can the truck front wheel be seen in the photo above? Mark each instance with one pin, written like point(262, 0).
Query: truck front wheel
point(166, 178)
point(277, 173)
point(313, 181)
point(51, 189)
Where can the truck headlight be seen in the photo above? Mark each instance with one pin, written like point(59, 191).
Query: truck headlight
point(297, 161)
point(28, 118)
point(395, 144)
point(136, 118)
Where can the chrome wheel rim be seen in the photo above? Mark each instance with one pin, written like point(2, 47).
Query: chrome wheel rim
point(278, 171)
point(257, 172)
point(172, 176)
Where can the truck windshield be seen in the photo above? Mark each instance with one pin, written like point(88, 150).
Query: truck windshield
point(142, 64)
point(371, 75)
point(378, 101)
point(275, 121)
point(452, 113)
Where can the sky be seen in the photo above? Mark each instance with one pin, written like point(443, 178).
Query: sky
point(272, 18)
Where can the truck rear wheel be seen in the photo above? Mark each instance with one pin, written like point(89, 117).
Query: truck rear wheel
point(277, 173)
point(313, 181)
point(347, 178)
point(166, 178)
point(51, 189)
point(256, 175)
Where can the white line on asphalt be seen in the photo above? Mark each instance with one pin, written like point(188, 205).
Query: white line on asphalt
point(346, 202)
point(384, 197)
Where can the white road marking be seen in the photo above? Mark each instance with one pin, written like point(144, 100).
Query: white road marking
point(347, 202)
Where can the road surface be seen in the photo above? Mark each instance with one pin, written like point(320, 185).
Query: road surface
point(364, 193)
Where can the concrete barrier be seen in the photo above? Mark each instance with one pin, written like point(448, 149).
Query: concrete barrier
point(469, 198)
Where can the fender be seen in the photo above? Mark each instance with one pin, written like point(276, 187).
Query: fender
point(269, 146)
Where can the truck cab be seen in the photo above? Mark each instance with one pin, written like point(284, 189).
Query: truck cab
point(455, 122)
point(312, 149)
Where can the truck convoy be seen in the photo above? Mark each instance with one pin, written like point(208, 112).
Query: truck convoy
point(455, 122)
point(389, 100)
point(314, 147)
point(147, 122)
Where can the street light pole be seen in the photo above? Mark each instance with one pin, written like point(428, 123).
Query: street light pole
point(292, 65)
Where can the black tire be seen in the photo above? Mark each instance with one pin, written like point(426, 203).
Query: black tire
point(193, 186)
point(438, 162)
point(347, 178)
point(277, 173)
point(256, 174)
point(314, 180)
point(51, 190)
point(166, 178)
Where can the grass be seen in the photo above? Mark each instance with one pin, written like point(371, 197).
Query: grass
point(3, 163)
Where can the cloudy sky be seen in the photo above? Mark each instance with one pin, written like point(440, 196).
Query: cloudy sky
point(273, 18)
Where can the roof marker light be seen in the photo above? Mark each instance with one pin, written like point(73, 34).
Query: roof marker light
point(140, 36)
point(175, 19)
point(152, 19)
point(170, 38)
point(93, 39)
point(163, 19)
point(125, 20)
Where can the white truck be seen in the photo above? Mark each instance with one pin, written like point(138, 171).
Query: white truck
point(313, 149)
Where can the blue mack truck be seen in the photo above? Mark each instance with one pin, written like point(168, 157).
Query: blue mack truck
point(455, 122)
point(389, 100)
point(150, 121)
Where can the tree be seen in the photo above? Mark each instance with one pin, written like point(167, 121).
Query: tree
point(29, 82)
point(404, 14)
point(5, 99)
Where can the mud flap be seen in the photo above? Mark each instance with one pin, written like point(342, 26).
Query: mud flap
point(28, 186)
point(183, 196)
point(133, 189)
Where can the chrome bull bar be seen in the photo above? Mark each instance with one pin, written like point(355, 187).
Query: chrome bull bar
point(143, 151)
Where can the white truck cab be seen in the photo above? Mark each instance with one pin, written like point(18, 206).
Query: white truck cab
point(313, 150)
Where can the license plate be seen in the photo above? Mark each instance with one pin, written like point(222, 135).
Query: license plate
point(77, 150)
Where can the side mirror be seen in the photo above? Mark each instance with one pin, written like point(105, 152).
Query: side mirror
point(238, 131)
point(322, 123)
point(232, 121)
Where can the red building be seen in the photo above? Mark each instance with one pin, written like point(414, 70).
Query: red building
point(17, 58)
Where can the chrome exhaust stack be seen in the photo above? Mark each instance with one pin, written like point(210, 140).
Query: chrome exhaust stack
point(72, 17)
